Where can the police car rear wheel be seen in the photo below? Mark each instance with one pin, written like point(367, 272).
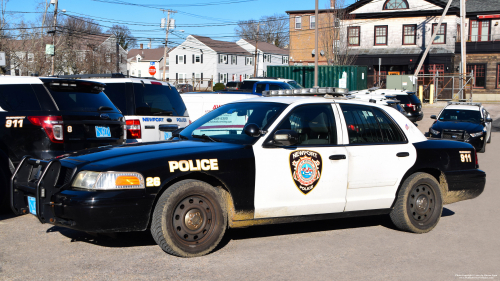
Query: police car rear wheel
point(419, 204)
point(190, 219)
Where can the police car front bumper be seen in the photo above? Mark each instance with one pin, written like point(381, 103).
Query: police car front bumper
point(49, 196)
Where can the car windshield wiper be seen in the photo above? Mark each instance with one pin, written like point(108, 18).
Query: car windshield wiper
point(205, 137)
point(168, 113)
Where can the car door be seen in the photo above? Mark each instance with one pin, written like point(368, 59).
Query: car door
point(308, 178)
point(379, 156)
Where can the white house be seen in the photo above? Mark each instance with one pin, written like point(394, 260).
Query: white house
point(267, 54)
point(140, 61)
point(200, 59)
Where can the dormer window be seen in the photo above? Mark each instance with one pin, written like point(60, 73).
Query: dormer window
point(395, 5)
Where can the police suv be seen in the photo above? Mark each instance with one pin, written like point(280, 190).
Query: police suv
point(152, 109)
point(463, 121)
point(282, 158)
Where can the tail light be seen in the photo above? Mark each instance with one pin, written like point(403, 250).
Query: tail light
point(53, 126)
point(134, 129)
point(412, 106)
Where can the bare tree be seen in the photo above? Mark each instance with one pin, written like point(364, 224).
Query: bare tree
point(333, 35)
point(273, 30)
point(124, 36)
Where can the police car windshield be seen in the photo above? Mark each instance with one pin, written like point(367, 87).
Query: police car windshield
point(460, 115)
point(226, 123)
point(295, 85)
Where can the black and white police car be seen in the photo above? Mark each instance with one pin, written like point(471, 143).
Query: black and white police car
point(463, 121)
point(258, 161)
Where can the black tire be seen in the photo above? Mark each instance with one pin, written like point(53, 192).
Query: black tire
point(483, 150)
point(419, 204)
point(189, 219)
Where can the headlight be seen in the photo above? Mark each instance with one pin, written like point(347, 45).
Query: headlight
point(108, 180)
point(434, 132)
point(475, 135)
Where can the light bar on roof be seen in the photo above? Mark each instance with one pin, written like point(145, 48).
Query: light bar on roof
point(464, 103)
point(306, 92)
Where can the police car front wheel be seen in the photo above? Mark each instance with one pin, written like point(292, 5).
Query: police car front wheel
point(419, 204)
point(189, 219)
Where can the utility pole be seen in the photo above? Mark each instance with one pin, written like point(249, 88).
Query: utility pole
point(463, 52)
point(316, 54)
point(54, 38)
point(256, 46)
point(166, 41)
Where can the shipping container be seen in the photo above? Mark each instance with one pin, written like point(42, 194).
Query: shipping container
point(355, 76)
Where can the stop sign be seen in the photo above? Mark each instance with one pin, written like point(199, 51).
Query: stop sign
point(152, 70)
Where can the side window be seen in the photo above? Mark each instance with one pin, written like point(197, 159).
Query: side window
point(274, 87)
point(116, 92)
point(18, 97)
point(315, 124)
point(367, 125)
point(259, 88)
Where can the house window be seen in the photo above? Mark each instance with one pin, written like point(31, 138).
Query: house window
point(181, 59)
point(197, 58)
point(479, 74)
point(380, 35)
point(222, 59)
point(108, 58)
point(133, 72)
point(353, 35)
point(267, 58)
point(233, 59)
point(479, 30)
point(441, 34)
point(138, 73)
point(248, 61)
point(298, 22)
point(182, 77)
point(409, 34)
point(312, 22)
point(285, 60)
point(395, 5)
point(30, 57)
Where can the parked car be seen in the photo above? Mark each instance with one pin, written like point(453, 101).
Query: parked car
point(153, 109)
point(248, 84)
point(259, 161)
point(463, 121)
point(231, 86)
point(49, 117)
point(183, 88)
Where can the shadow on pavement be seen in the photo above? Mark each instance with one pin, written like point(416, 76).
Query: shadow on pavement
point(5, 215)
point(495, 126)
point(136, 239)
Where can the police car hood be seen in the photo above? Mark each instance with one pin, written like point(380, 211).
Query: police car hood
point(450, 125)
point(137, 154)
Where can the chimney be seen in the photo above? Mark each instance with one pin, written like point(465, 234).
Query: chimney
point(141, 46)
point(332, 4)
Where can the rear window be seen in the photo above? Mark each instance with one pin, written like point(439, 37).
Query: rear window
point(84, 96)
point(18, 97)
point(407, 99)
point(117, 94)
point(158, 100)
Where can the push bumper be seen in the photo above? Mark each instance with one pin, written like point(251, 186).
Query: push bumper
point(464, 185)
point(57, 203)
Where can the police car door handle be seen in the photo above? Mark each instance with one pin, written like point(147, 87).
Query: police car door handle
point(403, 154)
point(338, 157)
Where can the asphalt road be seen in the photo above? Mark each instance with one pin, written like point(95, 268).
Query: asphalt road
point(464, 245)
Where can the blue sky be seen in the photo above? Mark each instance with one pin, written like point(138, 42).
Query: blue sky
point(213, 18)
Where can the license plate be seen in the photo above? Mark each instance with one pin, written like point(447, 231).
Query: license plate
point(32, 205)
point(102, 132)
point(167, 135)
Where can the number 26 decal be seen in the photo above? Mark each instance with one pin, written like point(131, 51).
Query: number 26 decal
point(153, 181)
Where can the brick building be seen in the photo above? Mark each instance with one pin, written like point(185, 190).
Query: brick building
point(398, 31)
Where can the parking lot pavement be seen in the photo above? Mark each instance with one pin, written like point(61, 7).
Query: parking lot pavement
point(464, 243)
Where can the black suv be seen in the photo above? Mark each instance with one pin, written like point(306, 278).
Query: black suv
point(411, 104)
point(48, 117)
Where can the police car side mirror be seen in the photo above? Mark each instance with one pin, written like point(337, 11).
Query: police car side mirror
point(252, 130)
point(489, 120)
point(285, 138)
point(433, 117)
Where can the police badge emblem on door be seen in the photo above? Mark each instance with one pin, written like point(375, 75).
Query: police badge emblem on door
point(306, 169)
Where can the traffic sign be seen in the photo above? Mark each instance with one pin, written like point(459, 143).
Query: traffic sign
point(152, 70)
point(151, 63)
